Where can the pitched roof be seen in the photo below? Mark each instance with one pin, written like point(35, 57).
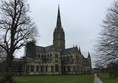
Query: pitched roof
point(44, 49)
point(68, 50)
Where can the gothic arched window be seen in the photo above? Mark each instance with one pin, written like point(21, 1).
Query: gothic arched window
point(46, 68)
point(52, 68)
point(27, 68)
point(68, 68)
point(39, 55)
point(56, 68)
point(56, 55)
point(32, 68)
point(37, 68)
point(42, 68)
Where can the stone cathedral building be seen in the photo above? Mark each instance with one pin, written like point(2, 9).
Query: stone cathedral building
point(56, 59)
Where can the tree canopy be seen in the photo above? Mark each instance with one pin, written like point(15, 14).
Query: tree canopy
point(107, 48)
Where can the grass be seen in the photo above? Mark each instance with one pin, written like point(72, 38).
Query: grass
point(106, 79)
point(55, 79)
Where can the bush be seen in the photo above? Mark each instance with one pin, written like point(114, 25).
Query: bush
point(113, 69)
point(2, 80)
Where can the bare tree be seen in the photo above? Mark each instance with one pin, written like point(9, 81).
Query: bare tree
point(107, 49)
point(16, 28)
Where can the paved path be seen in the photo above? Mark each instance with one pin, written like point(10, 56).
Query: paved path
point(97, 79)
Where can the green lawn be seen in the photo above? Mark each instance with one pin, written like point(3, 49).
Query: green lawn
point(106, 79)
point(55, 79)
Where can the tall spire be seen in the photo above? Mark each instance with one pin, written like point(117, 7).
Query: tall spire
point(59, 35)
point(58, 18)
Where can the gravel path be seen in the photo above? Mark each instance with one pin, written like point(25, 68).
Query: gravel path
point(97, 79)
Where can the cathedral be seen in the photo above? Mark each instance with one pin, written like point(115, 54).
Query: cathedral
point(56, 59)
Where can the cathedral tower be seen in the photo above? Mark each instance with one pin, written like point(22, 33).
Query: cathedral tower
point(59, 35)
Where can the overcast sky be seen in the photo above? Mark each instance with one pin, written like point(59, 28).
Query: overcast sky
point(81, 20)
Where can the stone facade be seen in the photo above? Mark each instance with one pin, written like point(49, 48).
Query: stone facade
point(56, 59)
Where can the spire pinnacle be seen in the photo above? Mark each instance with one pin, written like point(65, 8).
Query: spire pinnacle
point(58, 18)
point(79, 50)
point(89, 55)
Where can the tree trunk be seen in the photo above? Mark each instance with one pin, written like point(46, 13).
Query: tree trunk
point(8, 70)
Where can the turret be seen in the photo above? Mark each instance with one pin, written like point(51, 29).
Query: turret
point(80, 51)
point(89, 55)
point(30, 49)
point(89, 60)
